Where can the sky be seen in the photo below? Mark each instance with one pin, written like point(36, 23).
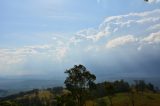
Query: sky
point(112, 38)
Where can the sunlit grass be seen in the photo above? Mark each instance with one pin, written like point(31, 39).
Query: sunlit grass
point(122, 99)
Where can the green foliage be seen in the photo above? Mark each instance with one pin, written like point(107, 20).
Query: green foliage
point(118, 86)
point(65, 100)
point(121, 86)
point(79, 81)
point(141, 86)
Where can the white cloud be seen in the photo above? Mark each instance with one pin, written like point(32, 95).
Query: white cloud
point(15, 56)
point(61, 53)
point(92, 34)
point(154, 27)
point(147, 20)
point(119, 25)
point(114, 23)
point(119, 41)
point(152, 38)
point(97, 36)
point(116, 27)
point(8, 57)
point(74, 40)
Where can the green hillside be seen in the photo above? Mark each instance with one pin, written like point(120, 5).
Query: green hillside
point(122, 99)
point(82, 90)
point(47, 98)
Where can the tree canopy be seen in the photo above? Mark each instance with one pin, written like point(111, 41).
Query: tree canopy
point(79, 82)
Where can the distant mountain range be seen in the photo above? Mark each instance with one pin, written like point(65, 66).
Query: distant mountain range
point(15, 85)
point(11, 86)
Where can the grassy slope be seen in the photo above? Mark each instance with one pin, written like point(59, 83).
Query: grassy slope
point(122, 99)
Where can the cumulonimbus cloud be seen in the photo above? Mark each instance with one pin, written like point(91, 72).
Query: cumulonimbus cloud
point(114, 32)
point(115, 25)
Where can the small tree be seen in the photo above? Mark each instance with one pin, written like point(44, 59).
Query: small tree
point(79, 82)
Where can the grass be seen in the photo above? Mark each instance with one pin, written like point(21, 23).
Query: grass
point(122, 99)
point(43, 94)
